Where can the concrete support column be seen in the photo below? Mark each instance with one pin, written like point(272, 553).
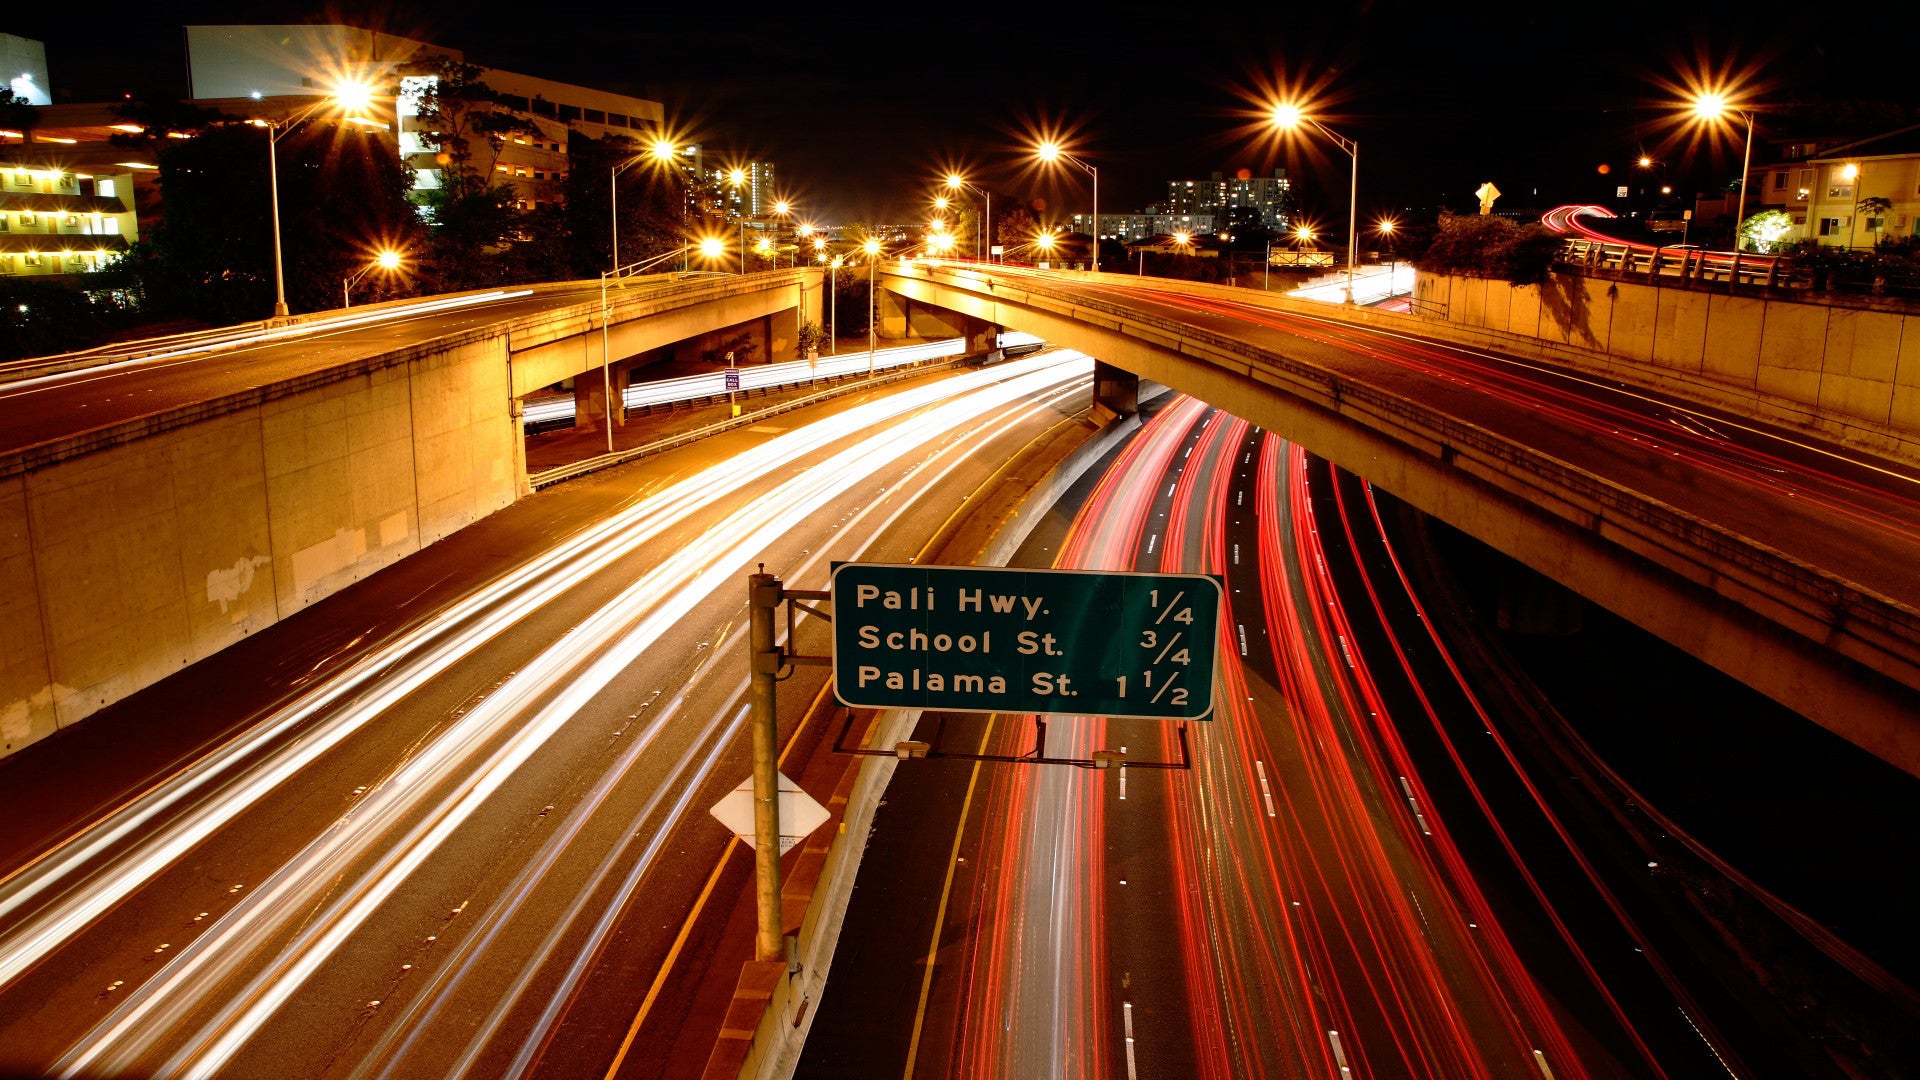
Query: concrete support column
point(982, 336)
point(890, 314)
point(1116, 393)
point(782, 329)
point(590, 401)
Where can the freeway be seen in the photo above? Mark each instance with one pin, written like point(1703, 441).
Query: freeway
point(1360, 876)
point(138, 382)
point(401, 833)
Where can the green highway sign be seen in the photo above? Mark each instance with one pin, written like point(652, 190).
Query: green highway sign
point(985, 639)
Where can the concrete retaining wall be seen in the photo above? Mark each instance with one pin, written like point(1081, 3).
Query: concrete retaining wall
point(1851, 372)
point(121, 566)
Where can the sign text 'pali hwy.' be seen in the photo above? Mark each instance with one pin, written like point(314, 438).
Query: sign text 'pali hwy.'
point(983, 639)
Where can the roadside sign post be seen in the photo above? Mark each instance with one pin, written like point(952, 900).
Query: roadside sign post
point(974, 639)
point(764, 596)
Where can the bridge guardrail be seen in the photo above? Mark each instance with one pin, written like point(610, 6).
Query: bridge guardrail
point(659, 446)
point(1827, 598)
point(1683, 263)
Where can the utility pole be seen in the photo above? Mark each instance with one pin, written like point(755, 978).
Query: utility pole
point(763, 599)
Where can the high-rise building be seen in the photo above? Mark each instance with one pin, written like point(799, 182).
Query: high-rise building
point(1259, 199)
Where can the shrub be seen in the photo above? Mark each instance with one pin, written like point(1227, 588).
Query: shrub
point(1490, 247)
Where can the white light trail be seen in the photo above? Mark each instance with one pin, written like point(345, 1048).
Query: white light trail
point(62, 892)
point(613, 638)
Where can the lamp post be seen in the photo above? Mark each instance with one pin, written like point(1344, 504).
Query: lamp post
point(660, 153)
point(350, 98)
point(1851, 172)
point(1386, 230)
point(984, 252)
point(833, 313)
point(872, 249)
point(781, 208)
point(386, 260)
point(1712, 107)
point(1050, 152)
point(1287, 117)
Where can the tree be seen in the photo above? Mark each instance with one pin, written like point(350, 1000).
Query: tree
point(15, 113)
point(1016, 230)
point(458, 109)
point(161, 118)
point(1764, 231)
point(1875, 209)
point(650, 217)
point(342, 198)
point(1485, 246)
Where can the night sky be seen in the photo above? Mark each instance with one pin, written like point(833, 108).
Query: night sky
point(861, 106)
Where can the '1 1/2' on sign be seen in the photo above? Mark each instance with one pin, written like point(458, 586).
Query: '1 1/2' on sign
point(980, 639)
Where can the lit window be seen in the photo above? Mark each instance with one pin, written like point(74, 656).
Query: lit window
point(105, 188)
point(31, 258)
point(113, 226)
point(499, 168)
point(27, 217)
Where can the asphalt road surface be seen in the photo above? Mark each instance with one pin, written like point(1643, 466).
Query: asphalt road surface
point(410, 831)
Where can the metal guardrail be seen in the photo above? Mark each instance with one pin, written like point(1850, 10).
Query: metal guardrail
point(711, 384)
point(1682, 263)
point(659, 446)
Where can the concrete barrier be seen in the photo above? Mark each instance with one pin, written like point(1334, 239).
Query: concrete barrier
point(121, 566)
point(1846, 370)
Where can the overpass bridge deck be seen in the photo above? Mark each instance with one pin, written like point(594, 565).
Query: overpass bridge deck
point(1656, 507)
point(49, 417)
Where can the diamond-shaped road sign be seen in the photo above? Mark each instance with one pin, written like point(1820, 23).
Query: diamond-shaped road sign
point(800, 813)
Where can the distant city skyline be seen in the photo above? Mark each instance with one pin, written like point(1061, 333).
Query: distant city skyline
point(863, 110)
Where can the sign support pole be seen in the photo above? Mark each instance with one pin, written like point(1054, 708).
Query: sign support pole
point(764, 596)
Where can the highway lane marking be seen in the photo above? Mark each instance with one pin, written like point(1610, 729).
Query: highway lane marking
point(946, 894)
point(1266, 792)
point(686, 928)
point(673, 954)
point(1418, 817)
point(1541, 1060)
point(1126, 1012)
point(1339, 1055)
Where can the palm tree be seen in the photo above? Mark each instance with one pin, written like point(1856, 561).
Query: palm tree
point(1873, 207)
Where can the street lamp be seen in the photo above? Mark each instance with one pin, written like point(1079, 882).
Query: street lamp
point(1386, 228)
point(1050, 152)
point(1044, 242)
point(872, 249)
point(1712, 107)
point(388, 261)
point(1850, 172)
point(956, 182)
point(351, 98)
point(1288, 117)
point(659, 152)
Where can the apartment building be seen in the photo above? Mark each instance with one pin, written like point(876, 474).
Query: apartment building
point(56, 218)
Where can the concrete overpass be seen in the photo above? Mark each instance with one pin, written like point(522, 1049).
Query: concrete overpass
point(159, 502)
point(1816, 607)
